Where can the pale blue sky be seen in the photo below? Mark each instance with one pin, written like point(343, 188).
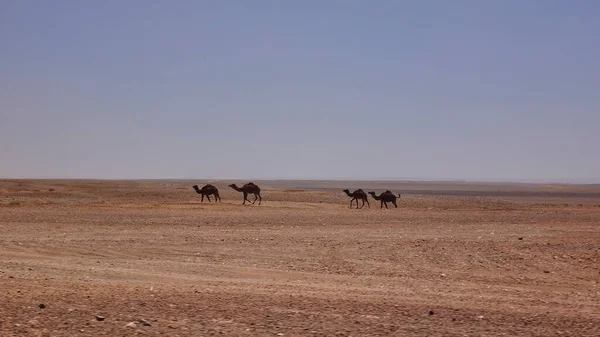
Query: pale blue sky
point(481, 90)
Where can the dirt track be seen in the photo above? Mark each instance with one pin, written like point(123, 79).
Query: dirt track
point(509, 263)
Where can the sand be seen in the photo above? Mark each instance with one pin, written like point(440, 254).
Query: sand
point(126, 258)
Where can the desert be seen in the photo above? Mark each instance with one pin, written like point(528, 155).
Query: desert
point(123, 258)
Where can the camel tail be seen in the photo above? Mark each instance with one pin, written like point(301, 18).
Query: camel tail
point(399, 196)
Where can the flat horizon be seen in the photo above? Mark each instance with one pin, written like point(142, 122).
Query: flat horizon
point(357, 179)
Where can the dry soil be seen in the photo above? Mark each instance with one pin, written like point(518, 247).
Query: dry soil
point(124, 258)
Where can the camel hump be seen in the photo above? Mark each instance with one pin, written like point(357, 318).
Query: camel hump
point(388, 191)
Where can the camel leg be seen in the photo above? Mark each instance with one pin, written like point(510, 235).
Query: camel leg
point(395, 204)
point(217, 197)
point(385, 203)
point(259, 199)
point(363, 204)
point(381, 204)
point(208, 197)
point(202, 198)
point(245, 198)
point(367, 200)
point(351, 201)
point(255, 197)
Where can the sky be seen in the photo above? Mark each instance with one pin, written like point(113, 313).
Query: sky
point(311, 89)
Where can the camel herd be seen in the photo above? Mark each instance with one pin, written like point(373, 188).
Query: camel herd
point(252, 188)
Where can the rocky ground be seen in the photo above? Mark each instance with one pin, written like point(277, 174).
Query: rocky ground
point(123, 258)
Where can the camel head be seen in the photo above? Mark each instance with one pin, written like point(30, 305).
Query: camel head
point(372, 193)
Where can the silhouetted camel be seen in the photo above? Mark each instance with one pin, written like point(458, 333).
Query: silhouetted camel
point(249, 188)
point(358, 195)
point(385, 197)
point(208, 190)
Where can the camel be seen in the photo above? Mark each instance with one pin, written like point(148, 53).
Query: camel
point(386, 197)
point(207, 190)
point(358, 195)
point(249, 188)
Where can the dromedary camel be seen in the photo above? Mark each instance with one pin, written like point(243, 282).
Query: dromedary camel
point(249, 188)
point(207, 190)
point(358, 195)
point(385, 197)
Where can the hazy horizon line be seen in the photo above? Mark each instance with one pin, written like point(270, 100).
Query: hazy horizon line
point(591, 181)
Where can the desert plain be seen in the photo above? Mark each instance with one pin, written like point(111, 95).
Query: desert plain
point(128, 258)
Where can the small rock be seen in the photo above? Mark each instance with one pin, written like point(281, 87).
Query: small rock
point(171, 326)
point(480, 317)
point(280, 334)
point(546, 272)
point(521, 238)
point(430, 312)
point(145, 323)
point(100, 318)
point(131, 325)
point(42, 306)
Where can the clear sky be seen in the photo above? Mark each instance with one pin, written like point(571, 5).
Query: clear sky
point(479, 90)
